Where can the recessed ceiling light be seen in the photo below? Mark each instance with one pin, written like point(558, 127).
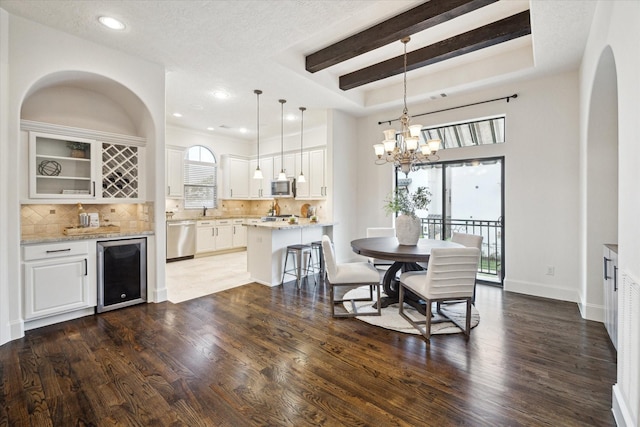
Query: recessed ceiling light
point(243, 130)
point(220, 94)
point(290, 117)
point(112, 23)
point(177, 115)
point(210, 128)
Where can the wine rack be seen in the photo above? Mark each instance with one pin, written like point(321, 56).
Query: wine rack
point(120, 171)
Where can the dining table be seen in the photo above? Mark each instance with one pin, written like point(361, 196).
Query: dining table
point(404, 257)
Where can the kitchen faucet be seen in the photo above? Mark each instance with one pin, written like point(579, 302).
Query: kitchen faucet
point(204, 211)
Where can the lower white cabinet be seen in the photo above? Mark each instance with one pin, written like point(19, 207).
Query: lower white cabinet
point(239, 233)
point(214, 235)
point(58, 278)
point(610, 278)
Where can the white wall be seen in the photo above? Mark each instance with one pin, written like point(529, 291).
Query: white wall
point(33, 54)
point(616, 26)
point(541, 176)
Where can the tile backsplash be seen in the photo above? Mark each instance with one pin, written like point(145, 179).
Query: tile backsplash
point(52, 219)
point(251, 208)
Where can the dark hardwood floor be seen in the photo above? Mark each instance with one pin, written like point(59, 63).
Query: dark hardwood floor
point(259, 356)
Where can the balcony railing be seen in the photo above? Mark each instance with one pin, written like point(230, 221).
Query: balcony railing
point(491, 231)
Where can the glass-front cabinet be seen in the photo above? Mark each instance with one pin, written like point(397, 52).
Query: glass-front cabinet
point(62, 167)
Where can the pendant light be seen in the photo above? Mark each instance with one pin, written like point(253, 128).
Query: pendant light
point(301, 178)
point(258, 173)
point(282, 176)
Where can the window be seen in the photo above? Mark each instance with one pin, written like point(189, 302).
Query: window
point(478, 132)
point(200, 178)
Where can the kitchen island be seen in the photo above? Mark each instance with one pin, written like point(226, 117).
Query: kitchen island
point(267, 245)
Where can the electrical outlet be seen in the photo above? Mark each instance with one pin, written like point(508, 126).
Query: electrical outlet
point(551, 270)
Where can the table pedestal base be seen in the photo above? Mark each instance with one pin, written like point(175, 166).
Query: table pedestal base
point(391, 286)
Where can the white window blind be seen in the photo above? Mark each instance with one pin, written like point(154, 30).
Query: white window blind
point(200, 179)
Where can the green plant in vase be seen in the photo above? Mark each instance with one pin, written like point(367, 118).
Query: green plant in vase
point(78, 149)
point(408, 225)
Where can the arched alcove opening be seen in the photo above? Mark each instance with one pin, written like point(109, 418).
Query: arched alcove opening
point(601, 174)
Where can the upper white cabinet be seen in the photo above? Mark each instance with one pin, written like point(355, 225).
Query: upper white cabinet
point(175, 173)
point(235, 178)
point(62, 167)
point(72, 163)
point(317, 172)
point(261, 188)
point(302, 188)
point(289, 165)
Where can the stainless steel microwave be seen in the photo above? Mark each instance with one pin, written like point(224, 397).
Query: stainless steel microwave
point(283, 188)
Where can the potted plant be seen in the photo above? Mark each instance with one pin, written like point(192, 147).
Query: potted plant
point(408, 225)
point(78, 149)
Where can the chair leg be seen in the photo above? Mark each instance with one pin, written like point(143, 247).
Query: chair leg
point(467, 332)
point(427, 329)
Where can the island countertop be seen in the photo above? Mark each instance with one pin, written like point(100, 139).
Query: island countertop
point(284, 225)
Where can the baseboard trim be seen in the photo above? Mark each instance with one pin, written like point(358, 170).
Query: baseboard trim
point(619, 408)
point(540, 290)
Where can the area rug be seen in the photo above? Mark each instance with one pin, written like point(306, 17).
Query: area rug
point(390, 319)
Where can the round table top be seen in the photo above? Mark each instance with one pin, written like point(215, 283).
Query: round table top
point(389, 248)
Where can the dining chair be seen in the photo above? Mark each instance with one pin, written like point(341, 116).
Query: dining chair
point(450, 276)
point(381, 264)
point(469, 241)
point(349, 275)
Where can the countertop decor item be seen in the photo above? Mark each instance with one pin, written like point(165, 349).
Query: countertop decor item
point(78, 149)
point(304, 210)
point(49, 168)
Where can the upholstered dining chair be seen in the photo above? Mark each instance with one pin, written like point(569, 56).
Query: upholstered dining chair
point(349, 275)
point(381, 264)
point(469, 241)
point(450, 276)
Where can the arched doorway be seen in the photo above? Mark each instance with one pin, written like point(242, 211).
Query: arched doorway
point(601, 175)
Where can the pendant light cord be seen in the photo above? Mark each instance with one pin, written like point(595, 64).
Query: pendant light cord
point(282, 101)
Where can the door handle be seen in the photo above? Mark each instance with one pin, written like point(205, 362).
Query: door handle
point(86, 268)
point(606, 276)
point(615, 278)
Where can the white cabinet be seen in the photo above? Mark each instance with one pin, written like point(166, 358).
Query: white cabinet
point(205, 236)
point(239, 233)
point(73, 163)
point(214, 235)
point(58, 278)
point(224, 234)
point(302, 188)
point(289, 165)
point(610, 277)
point(175, 173)
point(235, 178)
point(261, 188)
point(317, 171)
point(62, 166)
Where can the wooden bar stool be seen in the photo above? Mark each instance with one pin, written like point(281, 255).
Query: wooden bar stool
point(298, 253)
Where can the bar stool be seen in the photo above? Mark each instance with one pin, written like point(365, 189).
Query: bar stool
point(298, 252)
point(318, 260)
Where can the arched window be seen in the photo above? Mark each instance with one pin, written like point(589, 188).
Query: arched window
point(200, 178)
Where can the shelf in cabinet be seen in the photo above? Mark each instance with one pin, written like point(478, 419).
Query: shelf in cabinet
point(75, 159)
point(77, 178)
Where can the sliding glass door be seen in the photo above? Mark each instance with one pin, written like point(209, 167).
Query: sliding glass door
point(466, 197)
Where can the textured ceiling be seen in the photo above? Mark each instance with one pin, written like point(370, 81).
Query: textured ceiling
point(239, 46)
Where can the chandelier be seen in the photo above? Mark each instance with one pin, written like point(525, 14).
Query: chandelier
point(405, 150)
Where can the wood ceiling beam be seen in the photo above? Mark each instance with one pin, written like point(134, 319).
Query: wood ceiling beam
point(410, 22)
point(497, 32)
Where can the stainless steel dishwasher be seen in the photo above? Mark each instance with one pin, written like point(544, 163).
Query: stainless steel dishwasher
point(181, 240)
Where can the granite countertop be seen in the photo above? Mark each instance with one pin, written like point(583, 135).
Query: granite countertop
point(52, 238)
point(284, 225)
point(212, 218)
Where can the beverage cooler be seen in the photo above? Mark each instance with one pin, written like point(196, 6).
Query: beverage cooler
point(122, 273)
